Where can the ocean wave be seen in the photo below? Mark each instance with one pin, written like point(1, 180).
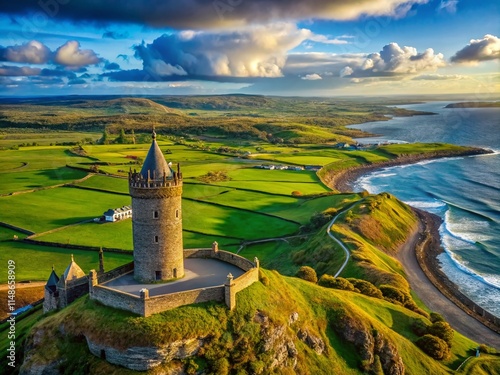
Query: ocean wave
point(470, 231)
point(382, 175)
point(426, 204)
point(462, 266)
point(467, 210)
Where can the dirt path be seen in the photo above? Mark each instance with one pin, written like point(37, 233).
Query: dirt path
point(436, 301)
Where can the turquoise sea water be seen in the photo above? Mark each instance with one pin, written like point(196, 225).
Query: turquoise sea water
point(465, 192)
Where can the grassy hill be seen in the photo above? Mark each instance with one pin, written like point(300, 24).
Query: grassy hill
point(281, 325)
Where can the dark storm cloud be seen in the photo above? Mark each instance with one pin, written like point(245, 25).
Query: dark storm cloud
point(206, 13)
point(487, 48)
point(111, 66)
point(57, 73)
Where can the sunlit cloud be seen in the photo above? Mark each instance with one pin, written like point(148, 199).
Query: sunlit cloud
point(487, 48)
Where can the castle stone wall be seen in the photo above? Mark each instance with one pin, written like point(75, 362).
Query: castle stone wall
point(117, 299)
point(153, 305)
point(117, 272)
point(222, 255)
point(50, 301)
point(76, 289)
point(157, 232)
point(158, 304)
point(247, 279)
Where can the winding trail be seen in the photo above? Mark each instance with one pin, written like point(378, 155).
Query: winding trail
point(340, 243)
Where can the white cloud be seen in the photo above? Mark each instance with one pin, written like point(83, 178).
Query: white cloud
point(32, 52)
point(325, 40)
point(311, 77)
point(439, 77)
point(347, 71)
point(258, 51)
point(70, 54)
point(320, 62)
point(487, 48)
point(394, 60)
point(448, 5)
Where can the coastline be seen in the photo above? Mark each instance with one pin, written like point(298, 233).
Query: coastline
point(343, 180)
point(419, 258)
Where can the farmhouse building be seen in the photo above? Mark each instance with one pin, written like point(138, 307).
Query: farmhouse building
point(116, 214)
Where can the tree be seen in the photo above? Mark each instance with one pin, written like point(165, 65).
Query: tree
point(122, 138)
point(105, 138)
point(307, 273)
point(132, 133)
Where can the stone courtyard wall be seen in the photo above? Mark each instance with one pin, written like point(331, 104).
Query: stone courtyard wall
point(157, 304)
point(153, 305)
point(117, 299)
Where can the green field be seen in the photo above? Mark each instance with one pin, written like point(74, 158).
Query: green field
point(38, 158)
point(49, 209)
point(9, 139)
point(7, 234)
point(112, 184)
point(35, 262)
point(19, 181)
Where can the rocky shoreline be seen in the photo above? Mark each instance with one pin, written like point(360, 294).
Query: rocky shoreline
point(426, 251)
point(428, 246)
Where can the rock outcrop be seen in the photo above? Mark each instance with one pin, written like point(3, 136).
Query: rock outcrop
point(369, 343)
point(145, 358)
point(277, 341)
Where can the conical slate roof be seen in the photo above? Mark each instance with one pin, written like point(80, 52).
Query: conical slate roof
point(155, 163)
point(73, 271)
point(52, 281)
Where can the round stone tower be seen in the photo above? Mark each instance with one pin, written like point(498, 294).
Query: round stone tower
point(157, 219)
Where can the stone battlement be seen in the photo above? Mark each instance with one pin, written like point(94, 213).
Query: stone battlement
point(145, 306)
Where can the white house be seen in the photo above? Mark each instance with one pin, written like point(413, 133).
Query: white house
point(118, 213)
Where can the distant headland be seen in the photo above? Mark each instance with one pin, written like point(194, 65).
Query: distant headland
point(474, 105)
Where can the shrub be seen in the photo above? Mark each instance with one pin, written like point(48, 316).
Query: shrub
point(336, 283)
point(435, 317)
point(307, 273)
point(393, 294)
point(443, 331)
point(433, 346)
point(419, 327)
point(319, 219)
point(221, 366)
point(366, 288)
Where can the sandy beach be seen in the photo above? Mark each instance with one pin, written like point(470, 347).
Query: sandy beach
point(419, 259)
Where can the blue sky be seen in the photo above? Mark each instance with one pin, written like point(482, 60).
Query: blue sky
point(282, 47)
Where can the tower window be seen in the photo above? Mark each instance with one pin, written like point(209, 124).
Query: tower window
point(176, 214)
point(156, 215)
point(156, 239)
